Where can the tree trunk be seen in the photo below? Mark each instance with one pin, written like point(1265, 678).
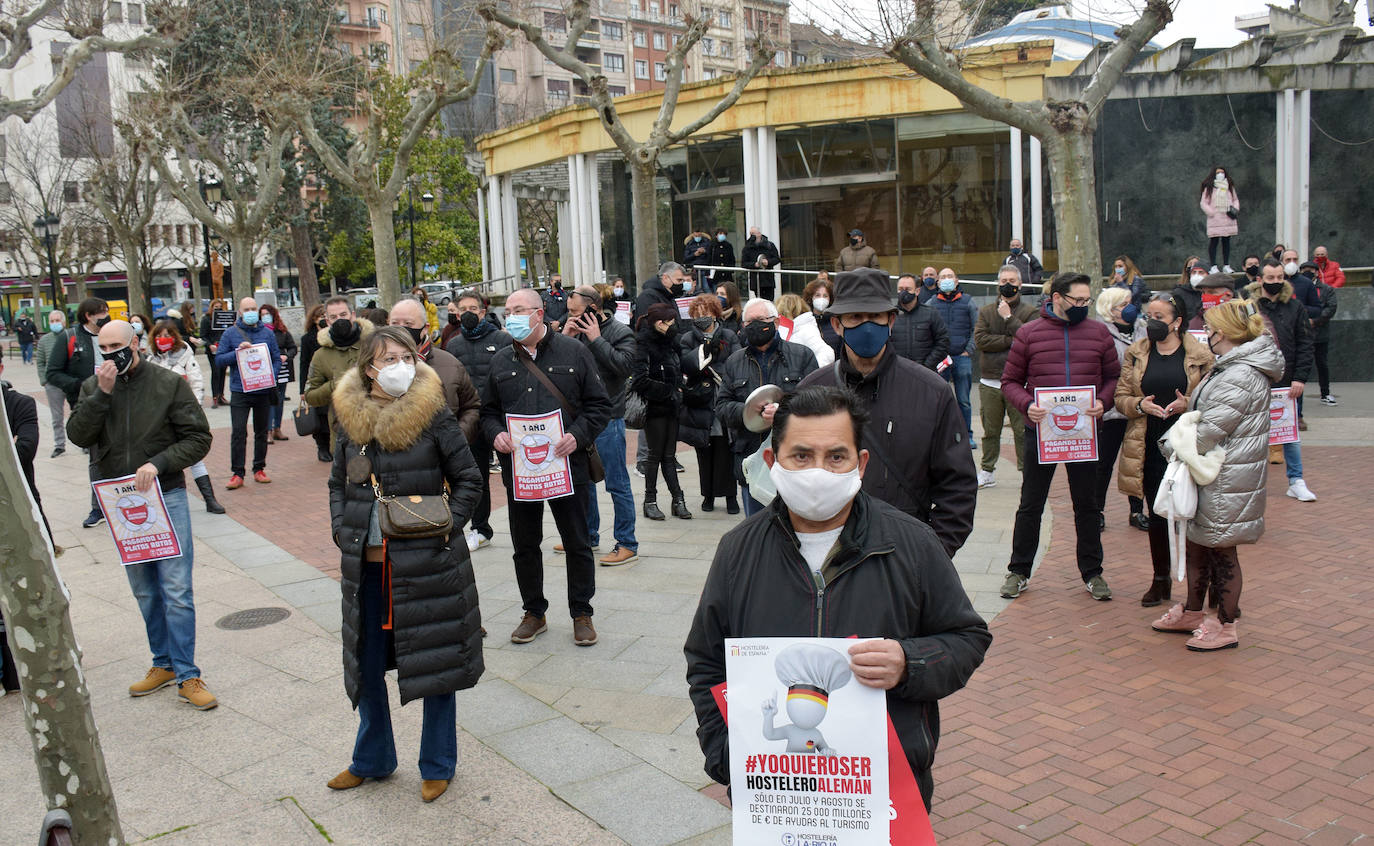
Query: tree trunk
point(241, 264)
point(384, 252)
point(644, 215)
point(1073, 193)
point(57, 705)
point(133, 271)
point(193, 273)
point(303, 250)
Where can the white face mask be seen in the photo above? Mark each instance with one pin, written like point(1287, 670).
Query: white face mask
point(820, 303)
point(1198, 277)
point(1291, 268)
point(815, 494)
point(395, 378)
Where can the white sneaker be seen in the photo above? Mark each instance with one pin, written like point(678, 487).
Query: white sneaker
point(987, 479)
point(1227, 269)
point(1297, 489)
point(1329, 400)
point(476, 540)
point(1215, 269)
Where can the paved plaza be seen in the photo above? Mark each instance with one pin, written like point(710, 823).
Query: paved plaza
point(1082, 726)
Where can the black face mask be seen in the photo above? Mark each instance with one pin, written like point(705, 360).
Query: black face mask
point(453, 319)
point(906, 297)
point(321, 324)
point(1272, 288)
point(123, 358)
point(469, 320)
point(1156, 330)
point(416, 335)
point(1252, 271)
point(1076, 314)
point(853, 242)
point(703, 323)
point(759, 334)
point(341, 331)
point(102, 321)
point(1008, 291)
point(675, 289)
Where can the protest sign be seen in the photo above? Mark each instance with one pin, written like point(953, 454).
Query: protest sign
point(537, 473)
point(221, 320)
point(622, 312)
point(1067, 434)
point(683, 304)
point(808, 745)
point(257, 371)
point(1283, 417)
point(138, 520)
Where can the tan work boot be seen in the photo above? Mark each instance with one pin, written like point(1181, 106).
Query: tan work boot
point(345, 781)
point(157, 679)
point(433, 788)
point(584, 633)
point(194, 692)
point(530, 627)
point(619, 555)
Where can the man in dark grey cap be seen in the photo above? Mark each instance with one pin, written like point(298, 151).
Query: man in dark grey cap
point(919, 459)
point(857, 254)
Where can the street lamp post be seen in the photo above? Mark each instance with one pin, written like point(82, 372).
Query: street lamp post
point(48, 228)
point(427, 203)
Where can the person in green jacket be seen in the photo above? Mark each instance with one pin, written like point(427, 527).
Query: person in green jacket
point(340, 341)
point(144, 421)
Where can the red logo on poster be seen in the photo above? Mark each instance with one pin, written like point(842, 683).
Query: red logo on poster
point(1276, 409)
point(536, 449)
point(136, 514)
point(1066, 422)
point(254, 364)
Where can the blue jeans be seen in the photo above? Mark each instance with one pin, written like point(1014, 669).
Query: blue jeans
point(610, 445)
point(1292, 458)
point(374, 751)
point(750, 505)
point(26, 350)
point(163, 591)
point(961, 374)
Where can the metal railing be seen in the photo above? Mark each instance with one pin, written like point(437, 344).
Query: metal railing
point(812, 273)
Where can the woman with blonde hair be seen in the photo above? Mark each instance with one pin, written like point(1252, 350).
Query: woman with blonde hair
point(1122, 319)
point(805, 330)
point(1224, 440)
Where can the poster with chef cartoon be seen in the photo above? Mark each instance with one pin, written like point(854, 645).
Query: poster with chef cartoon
point(137, 519)
point(538, 473)
point(256, 370)
point(1067, 434)
point(808, 745)
point(1283, 417)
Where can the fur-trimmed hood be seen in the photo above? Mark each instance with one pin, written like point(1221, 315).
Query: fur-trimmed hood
point(395, 426)
point(364, 325)
point(1183, 438)
point(1255, 290)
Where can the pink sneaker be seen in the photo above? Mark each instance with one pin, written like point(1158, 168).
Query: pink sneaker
point(1179, 621)
point(1213, 634)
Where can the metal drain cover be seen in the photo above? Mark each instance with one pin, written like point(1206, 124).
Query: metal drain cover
point(252, 618)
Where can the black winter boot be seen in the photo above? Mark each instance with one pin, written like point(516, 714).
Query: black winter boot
point(207, 492)
point(680, 508)
point(651, 509)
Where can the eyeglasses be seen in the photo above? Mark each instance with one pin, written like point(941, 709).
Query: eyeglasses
point(857, 319)
point(1076, 301)
point(387, 361)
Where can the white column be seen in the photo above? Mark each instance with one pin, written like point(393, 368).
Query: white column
point(768, 182)
point(751, 182)
point(510, 224)
point(1037, 243)
point(482, 233)
point(574, 233)
point(494, 227)
point(586, 272)
point(566, 262)
point(1018, 195)
point(1304, 166)
point(1287, 173)
point(594, 200)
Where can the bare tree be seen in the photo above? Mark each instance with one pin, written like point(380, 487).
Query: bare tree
point(1065, 128)
point(642, 156)
point(398, 112)
point(42, 184)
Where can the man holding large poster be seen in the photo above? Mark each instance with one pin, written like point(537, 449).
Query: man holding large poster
point(252, 389)
point(144, 421)
point(825, 559)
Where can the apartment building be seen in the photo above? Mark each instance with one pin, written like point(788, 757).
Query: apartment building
point(391, 34)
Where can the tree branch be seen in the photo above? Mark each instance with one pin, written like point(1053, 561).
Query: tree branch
point(72, 60)
point(676, 64)
point(763, 54)
point(1133, 39)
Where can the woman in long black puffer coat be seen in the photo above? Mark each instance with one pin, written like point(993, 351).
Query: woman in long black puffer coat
point(408, 603)
point(656, 375)
point(705, 347)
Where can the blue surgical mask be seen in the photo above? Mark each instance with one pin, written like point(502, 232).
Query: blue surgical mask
point(1121, 271)
point(250, 318)
point(929, 281)
point(948, 285)
point(724, 303)
point(1130, 314)
point(55, 326)
point(867, 339)
point(720, 237)
point(518, 325)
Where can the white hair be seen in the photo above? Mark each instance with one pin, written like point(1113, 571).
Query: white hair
point(756, 302)
point(1109, 299)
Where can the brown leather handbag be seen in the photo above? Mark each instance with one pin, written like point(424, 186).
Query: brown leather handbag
point(413, 516)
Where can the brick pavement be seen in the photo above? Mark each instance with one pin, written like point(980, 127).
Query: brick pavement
point(1084, 726)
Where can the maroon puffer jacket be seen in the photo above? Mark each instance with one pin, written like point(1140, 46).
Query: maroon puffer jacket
point(1049, 353)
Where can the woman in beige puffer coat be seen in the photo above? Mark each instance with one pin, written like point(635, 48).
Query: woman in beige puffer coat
point(1225, 435)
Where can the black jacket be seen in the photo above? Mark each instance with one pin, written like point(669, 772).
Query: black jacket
point(700, 384)
point(690, 258)
point(887, 577)
point(651, 292)
point(614, 352)
point(25, 331)
point(513, 389)
point(286, 345)
point(476, 354)
point(721, 254)
point(309, 344)
point(151, 417)
point(21, 411)
point(920, 335)
point(656, 373)
point(1028, 265)
point(1305, 291)
point(69, 371)
point(917, 422)
point(414, 446)
point(1321, 325)
point(1287, 318)
point(555, 304)
point(787, 365)
point(749, 257)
